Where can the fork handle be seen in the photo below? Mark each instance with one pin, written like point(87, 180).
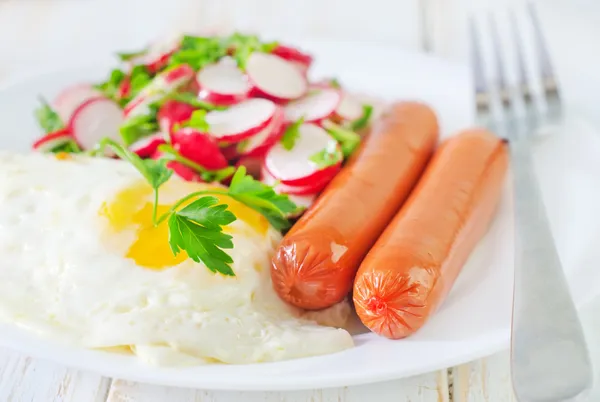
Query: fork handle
point(549, 356)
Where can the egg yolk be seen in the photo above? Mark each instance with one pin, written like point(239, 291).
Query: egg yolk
point(132, 208)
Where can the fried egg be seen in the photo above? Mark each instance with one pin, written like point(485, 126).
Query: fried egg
point(83, 263)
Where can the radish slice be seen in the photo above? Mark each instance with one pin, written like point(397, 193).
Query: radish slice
point(294, 167)
point(158, 54)
point(241, 121)
point(162, 85)
point(49, 142)
point(171, 113)
point(254, 166)
point(222, 84)
point(274, 77)
point(199, 148)
point(147, 146)
point(259, 144)
point(314, 107)
point(71, 98)
point(300, 59)
point(185, 172)
point(94, 120)
point(349, 108)
point(310, 189)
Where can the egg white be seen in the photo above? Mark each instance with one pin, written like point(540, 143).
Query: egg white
point(65, 275)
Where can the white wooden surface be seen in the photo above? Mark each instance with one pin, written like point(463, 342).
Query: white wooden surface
point(45, 32)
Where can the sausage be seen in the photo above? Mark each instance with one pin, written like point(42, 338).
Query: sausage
point(314, 265)
point(412, 266)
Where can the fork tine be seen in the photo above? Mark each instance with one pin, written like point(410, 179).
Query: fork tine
point(522, 76)
point(477, 66)
point(543, 55)
point(498, 61)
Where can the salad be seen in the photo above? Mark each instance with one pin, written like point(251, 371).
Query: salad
point(208, 105)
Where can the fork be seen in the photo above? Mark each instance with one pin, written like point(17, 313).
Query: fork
point(549, 355)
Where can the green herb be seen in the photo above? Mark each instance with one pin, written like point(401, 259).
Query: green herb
point(291, 134)
point(242, 46)
point(69, 147)
point(347, 139)
point(335, 83)
point(192, 100)
point(155, 172)
point(111, 87)
point(128, 56)
point(362, 121)
point(262, 198)
point(328, 156)
point(197, 121)
point(209, 176)
point(47, 118)
point(137, 127)
point(198, 52)
point(139, 78)
point(198, 229)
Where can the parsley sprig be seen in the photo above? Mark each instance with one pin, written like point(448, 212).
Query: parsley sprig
point(47, 117)
point(291, 134)
point(197, 220)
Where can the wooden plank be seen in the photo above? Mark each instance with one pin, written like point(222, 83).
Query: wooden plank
point(23, 378)
point(485, 380)
point(426, 388)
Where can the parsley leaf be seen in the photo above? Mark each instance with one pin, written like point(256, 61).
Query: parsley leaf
point(196, 121)
point(347, 139)
point(139, 78)
point(242, 46)
point(328, 156)
point(362, 121)
point(154, 171)
point(262, 198)
point(291, 134)
point(140, 126)
point(111, 87)
point(47, 118)
point(69, 147)
point(128, 56)
point(198, 51)
point(198, 229)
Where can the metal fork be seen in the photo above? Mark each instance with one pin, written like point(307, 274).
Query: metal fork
point(549, 355)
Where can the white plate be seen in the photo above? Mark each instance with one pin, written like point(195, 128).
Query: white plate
point(472, 323)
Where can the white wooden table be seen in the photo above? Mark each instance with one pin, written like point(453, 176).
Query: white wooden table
point(41, 32)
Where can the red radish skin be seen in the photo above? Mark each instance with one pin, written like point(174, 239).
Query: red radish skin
point(185, 172)
point(254, 166)
point(260, 143)
point(52, 140)
point(147, 146)
point(275, 78)
point(303, 60)
point(240, 121)
point(124, 88)
point(173, 112)
point(158, 54)
point(71, 98)
point(94, 120)
point(229, 151)
point(314, 107)
point(199, 148)
point(222, 83)
point(311, 189)
point(294, 167)
point(182, 171)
